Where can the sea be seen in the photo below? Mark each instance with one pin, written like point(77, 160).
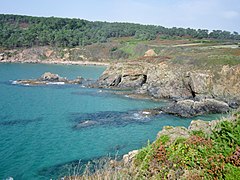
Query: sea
point(45, 131)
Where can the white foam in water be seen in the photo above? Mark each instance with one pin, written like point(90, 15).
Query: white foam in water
point(14, 82)
point(9, 178)
point(137, 116)
point(56, 83)
point(146, 112)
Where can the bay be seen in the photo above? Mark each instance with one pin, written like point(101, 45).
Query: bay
point(38, 134)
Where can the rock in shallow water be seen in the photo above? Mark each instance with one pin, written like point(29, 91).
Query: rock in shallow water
point(49, 79)
point(189, 108)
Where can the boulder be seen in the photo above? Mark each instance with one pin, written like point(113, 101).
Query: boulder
point(174, 132)
point(48, 53)
point(47, 76)
point(128, 158)
point(150, 52)
point(205, 126)
point(189, 108)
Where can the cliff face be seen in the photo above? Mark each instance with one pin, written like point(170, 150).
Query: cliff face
point(165, 80)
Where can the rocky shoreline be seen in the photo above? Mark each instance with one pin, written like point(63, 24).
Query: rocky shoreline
point(192, 91)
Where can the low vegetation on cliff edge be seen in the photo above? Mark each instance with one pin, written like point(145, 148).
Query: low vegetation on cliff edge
point(197, 156)
point(210, 153)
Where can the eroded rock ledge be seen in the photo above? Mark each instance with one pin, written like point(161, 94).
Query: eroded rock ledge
point(189, 108)
point(48, 78)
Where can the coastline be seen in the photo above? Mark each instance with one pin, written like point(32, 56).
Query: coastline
point(84, 63)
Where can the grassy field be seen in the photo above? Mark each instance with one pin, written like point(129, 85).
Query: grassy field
point(195, 52)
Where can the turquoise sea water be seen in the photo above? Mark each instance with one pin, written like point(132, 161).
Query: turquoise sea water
point(38, 137)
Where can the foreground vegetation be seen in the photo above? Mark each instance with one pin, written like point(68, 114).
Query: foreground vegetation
point(27, 31)
point(200, 155)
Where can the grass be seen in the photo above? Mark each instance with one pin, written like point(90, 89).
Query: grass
point(215, 156)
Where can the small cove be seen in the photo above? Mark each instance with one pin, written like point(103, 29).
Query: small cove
point(37, 131)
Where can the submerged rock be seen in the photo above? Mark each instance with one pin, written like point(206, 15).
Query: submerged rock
point(84, 124)
point(48, 79)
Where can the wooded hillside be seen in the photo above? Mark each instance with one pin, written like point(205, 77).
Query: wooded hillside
point(27, 31)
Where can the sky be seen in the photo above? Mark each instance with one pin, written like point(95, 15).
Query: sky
point(204, 14)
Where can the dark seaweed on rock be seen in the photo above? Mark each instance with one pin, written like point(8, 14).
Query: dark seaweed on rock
point(109, 118)
point(20, 121)
point(90, 93)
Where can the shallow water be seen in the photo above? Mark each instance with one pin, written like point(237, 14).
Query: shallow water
point(38, 125)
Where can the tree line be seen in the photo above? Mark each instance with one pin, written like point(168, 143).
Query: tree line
point(27, 31)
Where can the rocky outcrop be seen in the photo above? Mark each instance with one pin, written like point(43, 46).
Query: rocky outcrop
point(189, 108)
point(127, 77)
point(49, 78)
point(174, 132)
point(165, 80)
point(196, 91)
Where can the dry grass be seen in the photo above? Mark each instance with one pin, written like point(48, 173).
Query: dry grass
point(103, 169)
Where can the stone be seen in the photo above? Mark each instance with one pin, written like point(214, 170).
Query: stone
point(48, 53)
point(150, 52)
point(128, 158)
point(189, 108)
point(2, 55)
point(174, 132)
point(199, 125)
point(47, 76)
